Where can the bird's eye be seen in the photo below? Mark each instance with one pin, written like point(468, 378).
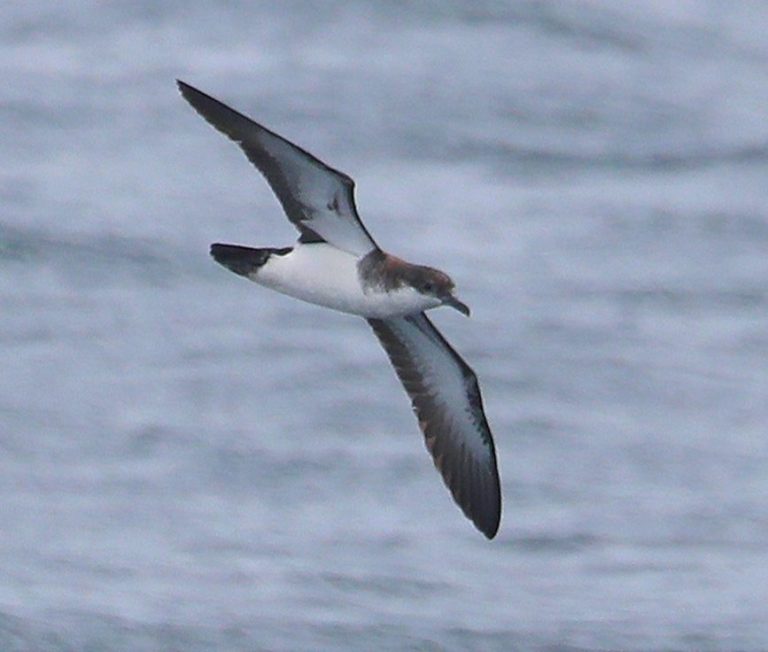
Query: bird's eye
point(428, 287)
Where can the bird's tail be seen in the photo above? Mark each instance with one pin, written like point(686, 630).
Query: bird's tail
point(244, 261)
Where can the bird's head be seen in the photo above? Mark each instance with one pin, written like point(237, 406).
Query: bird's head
point(433, 283)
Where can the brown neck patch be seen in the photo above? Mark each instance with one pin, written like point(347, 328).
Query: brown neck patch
point(383, 272)
point(380, 271)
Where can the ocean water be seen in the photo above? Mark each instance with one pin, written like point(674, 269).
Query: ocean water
point(189, 462)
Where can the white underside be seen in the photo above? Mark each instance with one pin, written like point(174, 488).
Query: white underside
point(326, 276)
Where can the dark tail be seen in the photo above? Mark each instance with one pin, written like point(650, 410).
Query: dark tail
point(244, 261)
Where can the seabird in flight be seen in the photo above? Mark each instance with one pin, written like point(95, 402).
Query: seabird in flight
point(337, 264)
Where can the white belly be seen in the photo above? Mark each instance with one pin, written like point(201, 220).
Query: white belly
point(326, 276)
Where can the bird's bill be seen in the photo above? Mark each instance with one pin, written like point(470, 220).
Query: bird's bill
point(453, 302)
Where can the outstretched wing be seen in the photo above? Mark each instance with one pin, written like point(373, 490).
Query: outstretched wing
point(316, 198)
point(446, 399)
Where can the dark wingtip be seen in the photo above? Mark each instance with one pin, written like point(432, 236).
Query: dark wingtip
point(188, 92)
point(484, 514)
point(490, 530)
point(202, 102)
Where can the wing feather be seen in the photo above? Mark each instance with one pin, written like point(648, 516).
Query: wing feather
point(446, 400)
point(316, 198)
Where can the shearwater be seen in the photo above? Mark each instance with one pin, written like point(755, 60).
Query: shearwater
point(337, 264)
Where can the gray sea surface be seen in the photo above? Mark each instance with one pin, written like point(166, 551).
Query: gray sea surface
point(190, 462)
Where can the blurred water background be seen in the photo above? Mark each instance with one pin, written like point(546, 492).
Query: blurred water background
point(190, 462)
